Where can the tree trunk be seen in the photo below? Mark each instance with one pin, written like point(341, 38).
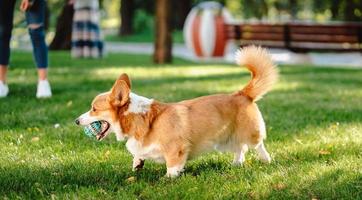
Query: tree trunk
point(349, 11)
point(293, 9)
point(335, 4)
point(63, 31)
point(163, 43)
point(180, 14)
point(47, 17)
point(126, 11)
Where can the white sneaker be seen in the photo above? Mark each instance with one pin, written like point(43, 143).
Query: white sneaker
point(4, 89)
point(44, 90)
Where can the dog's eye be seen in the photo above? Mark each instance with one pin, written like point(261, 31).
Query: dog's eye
point(93, 109)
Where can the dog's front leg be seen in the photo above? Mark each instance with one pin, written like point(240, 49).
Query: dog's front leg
point(137, 163)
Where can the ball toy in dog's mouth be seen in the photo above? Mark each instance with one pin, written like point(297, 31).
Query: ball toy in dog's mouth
point(97, 129)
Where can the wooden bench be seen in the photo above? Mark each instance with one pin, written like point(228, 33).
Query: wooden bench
point(299, 37)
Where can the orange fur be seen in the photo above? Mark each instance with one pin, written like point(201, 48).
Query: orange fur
point(264, 72)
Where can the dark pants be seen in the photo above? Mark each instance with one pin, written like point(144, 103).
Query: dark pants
point(34, 17)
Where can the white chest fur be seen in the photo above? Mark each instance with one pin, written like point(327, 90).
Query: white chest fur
point(148, 152)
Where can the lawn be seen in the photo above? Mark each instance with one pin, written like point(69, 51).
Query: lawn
point(313, 116)
point(147, 36)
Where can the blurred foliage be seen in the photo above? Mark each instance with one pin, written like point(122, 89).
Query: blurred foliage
point(267, 10)
point(145, 36)
point(284, 10)
point(310, 10)
point(110, 13)
point(143, 22)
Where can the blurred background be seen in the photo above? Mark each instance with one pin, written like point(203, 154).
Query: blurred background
point(133, 21)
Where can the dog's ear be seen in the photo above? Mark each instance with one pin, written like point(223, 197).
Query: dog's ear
point(125, 78)
point(120, 91)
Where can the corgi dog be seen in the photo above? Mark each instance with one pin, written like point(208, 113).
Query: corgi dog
point(173, 133)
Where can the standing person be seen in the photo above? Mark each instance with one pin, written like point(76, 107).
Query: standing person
point(86, 38)
point(35, 17)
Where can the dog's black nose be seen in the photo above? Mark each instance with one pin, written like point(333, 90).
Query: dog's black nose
point(77, 121)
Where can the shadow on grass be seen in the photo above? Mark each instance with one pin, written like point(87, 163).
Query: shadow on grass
point(26, 180)
point(111, 176)
point(302, 113)
point(61, 59)
point(329, 185)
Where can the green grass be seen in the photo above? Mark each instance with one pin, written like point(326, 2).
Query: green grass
point(146, 36)
point(313, 116)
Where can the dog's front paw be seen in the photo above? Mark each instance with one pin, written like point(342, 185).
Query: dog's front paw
point(137, 164)
point(238, 160)
point(266, 159)
point(173, 172)
point(172, 175)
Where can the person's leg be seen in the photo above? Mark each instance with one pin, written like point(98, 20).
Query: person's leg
point(35, 19)
point(6, 26)
point(3, 72)
point(4, 89)
point(42, 73)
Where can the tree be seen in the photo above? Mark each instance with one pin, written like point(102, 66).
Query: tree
point(163, 43)
point(127, 13)
point(180, 14)
point(341, 10)
point(47, 17)
point(255, 8)
point(335, 8)
point(351, 9)
point(63, 31)
point(293, 9)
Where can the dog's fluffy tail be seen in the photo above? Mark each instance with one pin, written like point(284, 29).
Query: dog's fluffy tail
point(263, 71)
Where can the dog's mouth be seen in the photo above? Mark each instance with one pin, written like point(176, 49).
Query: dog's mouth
point(104, 130)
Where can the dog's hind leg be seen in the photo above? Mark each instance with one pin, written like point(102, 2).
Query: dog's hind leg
point(175, 162)
point(263, 153)
point(239, 155)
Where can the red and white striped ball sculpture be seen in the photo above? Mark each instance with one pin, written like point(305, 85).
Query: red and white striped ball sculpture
point(204, 31)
